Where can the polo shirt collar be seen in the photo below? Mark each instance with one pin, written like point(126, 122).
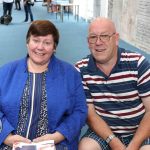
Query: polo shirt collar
point(91, 64)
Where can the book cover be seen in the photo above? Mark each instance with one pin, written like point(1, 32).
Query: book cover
point(45, 145)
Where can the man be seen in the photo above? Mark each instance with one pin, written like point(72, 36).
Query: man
point(117, 87)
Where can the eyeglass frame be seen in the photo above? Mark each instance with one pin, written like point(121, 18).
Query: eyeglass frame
point(100, 37)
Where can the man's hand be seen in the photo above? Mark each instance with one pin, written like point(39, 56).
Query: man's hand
point(116, 144)
point(132, 146)
point(11, 139)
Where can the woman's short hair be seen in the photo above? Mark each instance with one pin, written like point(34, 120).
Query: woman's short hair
point(43, 28)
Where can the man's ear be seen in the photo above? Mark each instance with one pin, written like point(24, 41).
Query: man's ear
point(117, 39)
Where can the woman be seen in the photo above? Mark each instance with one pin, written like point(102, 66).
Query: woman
point(41, 97)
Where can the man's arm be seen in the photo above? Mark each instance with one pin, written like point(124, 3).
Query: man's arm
point(143, 131)
point(100, 127)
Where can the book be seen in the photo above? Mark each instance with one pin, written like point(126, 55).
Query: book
point(45, 145)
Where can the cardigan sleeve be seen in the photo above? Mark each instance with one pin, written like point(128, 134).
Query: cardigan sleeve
point(73, 123)
point(5, 128)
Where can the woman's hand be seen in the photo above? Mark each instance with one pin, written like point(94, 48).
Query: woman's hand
point(11, 139)
point(57, 137)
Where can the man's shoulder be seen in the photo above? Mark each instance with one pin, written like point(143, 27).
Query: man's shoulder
point(83, 63)
point(129, 54)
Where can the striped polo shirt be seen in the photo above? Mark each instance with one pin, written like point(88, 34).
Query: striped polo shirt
point(117, 97)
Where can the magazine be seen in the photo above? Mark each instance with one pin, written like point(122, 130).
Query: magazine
point(45, 145)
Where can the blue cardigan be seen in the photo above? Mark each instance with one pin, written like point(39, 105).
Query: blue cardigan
point(66, 102)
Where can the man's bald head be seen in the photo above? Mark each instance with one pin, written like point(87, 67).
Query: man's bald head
point(103, 22)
